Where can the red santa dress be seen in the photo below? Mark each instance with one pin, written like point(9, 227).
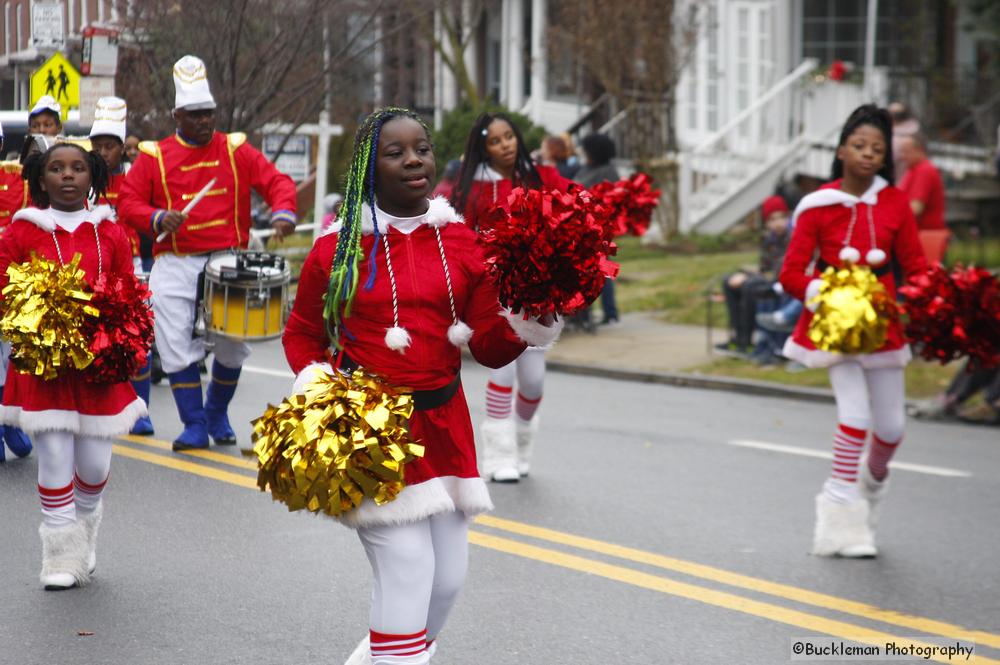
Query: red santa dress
point(822, 221)
point(489, 188)
point(68, 403)
point(446, 478)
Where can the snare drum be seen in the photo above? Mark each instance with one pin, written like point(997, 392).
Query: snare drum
point(246, 295)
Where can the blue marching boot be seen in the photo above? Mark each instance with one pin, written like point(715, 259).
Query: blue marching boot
point(140, 383)
point(16, 440)
point(186, 388)
point(221, 389)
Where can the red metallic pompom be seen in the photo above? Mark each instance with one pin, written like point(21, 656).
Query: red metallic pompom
point(954, 315)
point(549, 253)
point(121, 336)
point(630, 203)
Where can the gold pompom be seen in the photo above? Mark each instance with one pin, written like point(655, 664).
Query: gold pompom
point(343, 439)
point(853, 313)
point(44, 307)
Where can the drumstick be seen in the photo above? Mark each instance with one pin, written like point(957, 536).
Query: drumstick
point(197, 197)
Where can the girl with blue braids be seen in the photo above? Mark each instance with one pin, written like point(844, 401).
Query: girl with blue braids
point(397, 286)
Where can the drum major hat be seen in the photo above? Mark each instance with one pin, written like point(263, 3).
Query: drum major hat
point(109, 118)
point(191, 85)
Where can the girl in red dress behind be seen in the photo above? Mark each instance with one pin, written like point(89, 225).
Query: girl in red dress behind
point(496, 161)
point(71, 421)
point(857, 218)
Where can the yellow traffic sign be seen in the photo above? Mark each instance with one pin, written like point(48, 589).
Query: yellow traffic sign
point(58, 78)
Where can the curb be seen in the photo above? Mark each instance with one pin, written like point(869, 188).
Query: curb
point(743, 386)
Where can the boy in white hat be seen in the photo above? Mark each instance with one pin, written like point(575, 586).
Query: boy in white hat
point(107, 138)
point(164, 178)
point(45, 117)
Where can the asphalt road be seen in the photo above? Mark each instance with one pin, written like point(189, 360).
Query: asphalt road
point(660, 525)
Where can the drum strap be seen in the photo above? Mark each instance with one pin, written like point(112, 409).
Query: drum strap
point(423, 400)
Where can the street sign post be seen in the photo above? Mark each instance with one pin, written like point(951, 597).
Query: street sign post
point(100, 52)
point(47, 29)
point(57, 77)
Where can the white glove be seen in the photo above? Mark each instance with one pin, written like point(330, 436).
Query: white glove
point(811, 292)
point(309, 374)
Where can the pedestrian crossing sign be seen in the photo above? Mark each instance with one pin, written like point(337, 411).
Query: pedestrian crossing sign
point(58, 78)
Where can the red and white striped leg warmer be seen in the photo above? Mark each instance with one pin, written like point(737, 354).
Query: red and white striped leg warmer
point(498, 400)
point(388, 649)
point(88, 495)
point(525, 407)
point(879, 455)
point(58, 507)
point(848, 443)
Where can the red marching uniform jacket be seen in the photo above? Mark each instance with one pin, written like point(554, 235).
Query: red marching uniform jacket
point(167, 175)
point(13, 191)
point(115, 182)
point(448, 467)
point(820, 232)
point(69, 402)
point(481, 194)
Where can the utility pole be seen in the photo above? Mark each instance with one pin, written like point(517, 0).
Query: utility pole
point(324, 133)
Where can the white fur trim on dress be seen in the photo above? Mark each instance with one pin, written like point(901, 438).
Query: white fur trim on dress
point(310, 373)
point(826, 197)
point(439, 213)
point(459, 333)
point(531, 332)
point(415, 502)
point(397, 338)
point(42, 219)
point(819, 358)
point(52, 420)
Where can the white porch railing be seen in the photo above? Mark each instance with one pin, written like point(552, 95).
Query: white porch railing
point(745, 156)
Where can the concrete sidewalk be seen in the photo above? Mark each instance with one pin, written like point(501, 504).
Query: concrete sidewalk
point(641, 347)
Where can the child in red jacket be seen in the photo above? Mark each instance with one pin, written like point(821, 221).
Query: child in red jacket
point(72, 421)
point(857, 218)
point(400, 283)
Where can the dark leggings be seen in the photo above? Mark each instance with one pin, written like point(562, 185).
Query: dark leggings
point(970, 380)
point(742, 305)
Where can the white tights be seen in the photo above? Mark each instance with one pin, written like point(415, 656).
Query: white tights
point(870, 399)
point(65, 460)
point(418, 570)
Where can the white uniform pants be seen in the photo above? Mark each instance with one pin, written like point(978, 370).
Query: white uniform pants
point(174, 283)
point(418, 570)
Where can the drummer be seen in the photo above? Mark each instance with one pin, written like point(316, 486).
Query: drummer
point(165, 178)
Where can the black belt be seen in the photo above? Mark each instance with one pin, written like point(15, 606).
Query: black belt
point(423, 400)
point(880, 271)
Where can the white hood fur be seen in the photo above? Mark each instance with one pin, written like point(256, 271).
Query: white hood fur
point(41, 218)
point(439, 213)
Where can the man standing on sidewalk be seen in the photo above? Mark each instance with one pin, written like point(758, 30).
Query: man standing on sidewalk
point(165, 177)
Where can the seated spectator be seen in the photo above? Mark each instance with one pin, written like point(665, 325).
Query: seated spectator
point(745, 288)
point(964, 385)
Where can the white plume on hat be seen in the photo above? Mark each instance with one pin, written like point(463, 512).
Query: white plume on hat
point(191, 85)
point(45, 103)
point(109, 118)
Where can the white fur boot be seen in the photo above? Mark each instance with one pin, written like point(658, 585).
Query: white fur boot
point(526, 432)
point(91, 523)
point(362, 654)
point(842, 529)
point(499, 462)
point(873, 492)
point(64, 557)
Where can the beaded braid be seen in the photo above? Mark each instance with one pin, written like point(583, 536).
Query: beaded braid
point(359, 191)
point(34, 170)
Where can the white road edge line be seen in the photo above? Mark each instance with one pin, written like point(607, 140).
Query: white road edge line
point(283, 373)
point(809, 452)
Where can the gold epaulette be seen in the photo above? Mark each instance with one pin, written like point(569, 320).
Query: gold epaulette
point(236, 139)
point(151, 148)
point(11, 167)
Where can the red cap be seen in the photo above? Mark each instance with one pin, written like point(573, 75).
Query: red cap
point(773, 204)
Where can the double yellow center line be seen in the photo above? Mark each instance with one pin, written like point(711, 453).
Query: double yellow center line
point(806, 621)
